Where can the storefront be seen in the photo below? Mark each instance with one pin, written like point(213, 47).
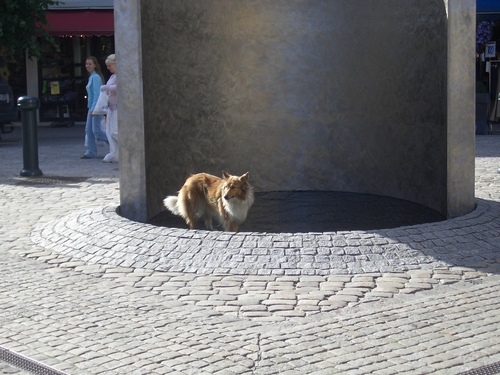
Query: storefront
point(487, 66)
point(487, 40)
point(488, 9)
point(79, 32)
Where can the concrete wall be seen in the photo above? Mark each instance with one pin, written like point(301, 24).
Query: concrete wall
point(354, 95)
point(460, 107)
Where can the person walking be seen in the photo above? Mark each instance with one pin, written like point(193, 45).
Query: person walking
point(111, 117)
point(93, 130)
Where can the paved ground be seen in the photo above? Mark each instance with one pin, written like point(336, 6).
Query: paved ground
point(87, 292)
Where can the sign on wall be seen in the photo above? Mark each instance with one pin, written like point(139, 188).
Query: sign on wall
point(491, 49)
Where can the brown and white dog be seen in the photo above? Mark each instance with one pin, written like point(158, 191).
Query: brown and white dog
point(204, 196)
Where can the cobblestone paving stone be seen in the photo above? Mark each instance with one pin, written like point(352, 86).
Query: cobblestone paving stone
point(88, 292)
point(8, 369)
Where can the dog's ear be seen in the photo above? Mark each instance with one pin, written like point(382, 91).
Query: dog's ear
point(225, 175)
point(244, 178)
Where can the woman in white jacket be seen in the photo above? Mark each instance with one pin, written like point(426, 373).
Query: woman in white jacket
point(111, 119)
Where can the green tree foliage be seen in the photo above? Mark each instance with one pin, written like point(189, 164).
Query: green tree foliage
point(21, 21)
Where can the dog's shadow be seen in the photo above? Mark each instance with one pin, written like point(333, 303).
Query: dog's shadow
point(321, 211)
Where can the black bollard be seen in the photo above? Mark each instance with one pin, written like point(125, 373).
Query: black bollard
point(28, 106)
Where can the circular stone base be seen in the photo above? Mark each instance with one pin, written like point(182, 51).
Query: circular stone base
point(322, 211)
point(102, 236)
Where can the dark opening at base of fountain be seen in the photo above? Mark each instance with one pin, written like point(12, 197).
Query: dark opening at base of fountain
point(322, 211)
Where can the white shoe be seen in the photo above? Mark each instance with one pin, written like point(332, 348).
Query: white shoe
point(108, 158)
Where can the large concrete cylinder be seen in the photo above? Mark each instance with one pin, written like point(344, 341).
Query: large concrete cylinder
point(305, 94)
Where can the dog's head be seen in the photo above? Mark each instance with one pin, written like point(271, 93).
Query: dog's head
point(234, 186)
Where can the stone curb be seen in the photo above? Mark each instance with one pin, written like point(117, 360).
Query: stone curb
point(101, 236)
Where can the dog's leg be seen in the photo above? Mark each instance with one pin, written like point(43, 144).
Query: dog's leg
point(191, 222)
point(186, 209)
point(191, 219)
point(208, 222)
point(230, 226)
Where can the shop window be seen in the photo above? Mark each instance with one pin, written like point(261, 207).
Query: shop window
point(63, 77)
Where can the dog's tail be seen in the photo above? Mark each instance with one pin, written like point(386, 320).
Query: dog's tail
point(171, 203)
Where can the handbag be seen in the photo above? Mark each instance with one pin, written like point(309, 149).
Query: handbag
point(101, 107)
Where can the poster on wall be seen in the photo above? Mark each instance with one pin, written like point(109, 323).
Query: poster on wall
point(491, 49)
point(54, 88)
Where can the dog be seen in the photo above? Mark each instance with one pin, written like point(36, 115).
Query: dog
point(204, 196)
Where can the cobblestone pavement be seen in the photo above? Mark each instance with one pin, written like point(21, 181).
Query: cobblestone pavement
point(88, 292)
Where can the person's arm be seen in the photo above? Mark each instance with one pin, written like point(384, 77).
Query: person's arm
point(96, 89)
point(110, 86)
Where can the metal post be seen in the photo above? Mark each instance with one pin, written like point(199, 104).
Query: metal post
point(28, 106)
